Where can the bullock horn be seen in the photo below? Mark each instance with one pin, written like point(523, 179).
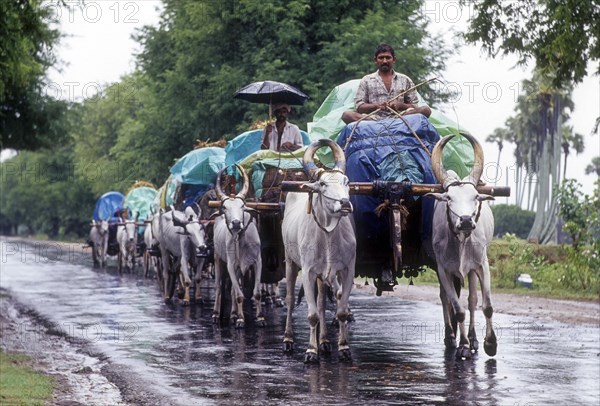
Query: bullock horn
point(436, 159)
point(218, 190)
point(311, 168)
point(477, 170)
point(246, 186)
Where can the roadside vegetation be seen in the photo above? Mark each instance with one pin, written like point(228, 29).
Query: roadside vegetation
point(563, 271)
point(20, 384)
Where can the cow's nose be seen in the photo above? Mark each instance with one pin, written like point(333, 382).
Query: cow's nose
point(466, 223)
point(346, 205)
point(236, 224)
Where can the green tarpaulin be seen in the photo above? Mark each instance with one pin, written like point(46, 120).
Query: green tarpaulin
point(139, 201)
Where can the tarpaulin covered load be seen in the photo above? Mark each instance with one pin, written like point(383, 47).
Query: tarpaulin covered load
point(388, 150)
point(108, 206)
point(139, 201)
point(289, 169)
point(327, 123)
point(192, 175)
point(200, 166)
point(248, 143)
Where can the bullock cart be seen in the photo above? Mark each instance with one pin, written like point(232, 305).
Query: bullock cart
point(103, 236)
point(139, 202)
point(390, 170)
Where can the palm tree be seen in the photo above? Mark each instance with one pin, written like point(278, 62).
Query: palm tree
point(593, 167)
point(571, 141)
point(499, 136)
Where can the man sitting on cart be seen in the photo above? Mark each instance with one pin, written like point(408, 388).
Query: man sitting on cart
point(378, 91)
point(283, 136)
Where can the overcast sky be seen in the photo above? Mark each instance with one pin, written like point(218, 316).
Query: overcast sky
point(99, 50)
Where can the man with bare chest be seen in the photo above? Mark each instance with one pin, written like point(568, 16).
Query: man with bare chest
point(377, 89)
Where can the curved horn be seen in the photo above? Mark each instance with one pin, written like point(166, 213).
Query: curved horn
point(218, 190)
point(246, 186)
point(311, 169)
point(436, 159)
point(477, 170)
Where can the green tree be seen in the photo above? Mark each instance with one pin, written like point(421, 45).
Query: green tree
point(40, 191)
point(561, 36)
point(29, 119)
point(203, 51)
point(593, 167)
point(509, 218)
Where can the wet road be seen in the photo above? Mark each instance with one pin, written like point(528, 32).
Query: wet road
point(397, 346)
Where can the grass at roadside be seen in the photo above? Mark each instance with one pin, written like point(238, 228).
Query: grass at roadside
point(558, 271)
point(20, 384)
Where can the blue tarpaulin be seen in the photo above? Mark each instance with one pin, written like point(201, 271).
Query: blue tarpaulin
point(200, 166)
point(108, 206)
point(387, 150)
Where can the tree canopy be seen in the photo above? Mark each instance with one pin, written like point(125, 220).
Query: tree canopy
point(561, 36)
point(29, 119)
point(190, 66)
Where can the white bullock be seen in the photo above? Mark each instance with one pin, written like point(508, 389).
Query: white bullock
point(237, 247)
point(463, 227)
point(182, 236)
point(151, 259)
point(319, 239)
point(99, 241)
point(127, 239)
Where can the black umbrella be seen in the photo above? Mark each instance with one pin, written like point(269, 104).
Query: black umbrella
point(270, 92)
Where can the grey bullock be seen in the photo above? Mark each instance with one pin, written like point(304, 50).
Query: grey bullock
point(237, 248)
point(463, 226)
point(180, 236)
point(127, 239)
point(99, 241)
point(319, 239)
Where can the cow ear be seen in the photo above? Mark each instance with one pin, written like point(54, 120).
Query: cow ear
point(178, 222)
point(442, 197)
point(482, 198)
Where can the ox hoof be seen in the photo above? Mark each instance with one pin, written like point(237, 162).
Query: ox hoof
point(199, 300)
point(325, 348)
point(186, 303)
point(168, 300)
point(180, 294)
point(335, 322)
point(240, 323)
point(261, 322)
point(490, 347)
point(463, 352)
point(279, 302)
point(345, 355)
point(474, 345)
point(350, 318)
point(268, 301)
point(311, 358)
point(288, 347)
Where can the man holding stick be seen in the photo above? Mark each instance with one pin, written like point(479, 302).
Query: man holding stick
point(385, 92)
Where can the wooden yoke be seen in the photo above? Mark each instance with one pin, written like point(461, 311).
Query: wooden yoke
point(405, 188)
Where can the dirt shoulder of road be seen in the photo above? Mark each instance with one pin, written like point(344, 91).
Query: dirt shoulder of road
point(82, 375)
point(564, 311)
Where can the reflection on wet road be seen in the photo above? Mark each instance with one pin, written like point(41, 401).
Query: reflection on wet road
point(397, 347)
